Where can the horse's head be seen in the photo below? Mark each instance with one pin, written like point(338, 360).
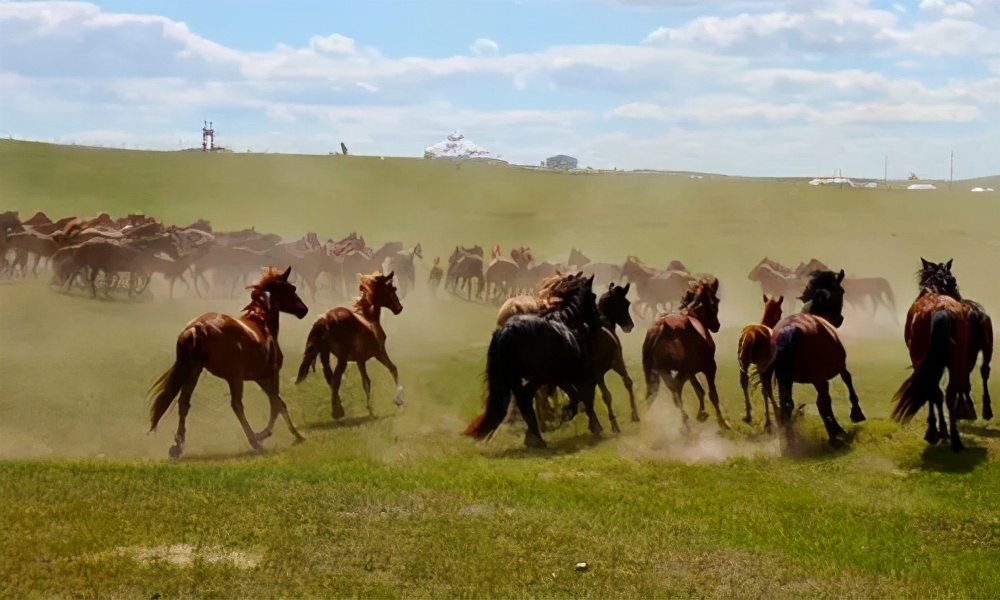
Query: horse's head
point(772, 310)
point(377, 290)
point(938, 278)
point(824, 296)
point(701, 300)
point(758, 268)
point(614, 306)
point(274, 293)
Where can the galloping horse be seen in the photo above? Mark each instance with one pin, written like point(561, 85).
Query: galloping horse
point(805, 348)
point(937, 334)
point(682, 343)
point(354, 336)
point(981, 340)
point(552, 347)
point(237, 350)
point(754, 348)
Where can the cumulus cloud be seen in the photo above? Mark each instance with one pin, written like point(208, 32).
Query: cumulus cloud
point(695, 92)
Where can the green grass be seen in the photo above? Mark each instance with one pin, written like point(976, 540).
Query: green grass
point(403, 505)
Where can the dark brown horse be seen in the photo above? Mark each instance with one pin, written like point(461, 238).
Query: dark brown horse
point(354, 336)
point(533, 350)
point(805, 348)
point(237, 350)
point(981, 340)
point(679, 345)
point(937, 334)
point(754, 349)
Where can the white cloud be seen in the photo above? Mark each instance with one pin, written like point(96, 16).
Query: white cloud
point(721, 84)
point(484, 46)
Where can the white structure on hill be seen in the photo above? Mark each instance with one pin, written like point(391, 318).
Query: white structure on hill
point(455, 146)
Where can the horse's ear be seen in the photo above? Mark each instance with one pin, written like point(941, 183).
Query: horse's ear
point(715, 285)
point(389, 276)
point(781, 299)
point(288, 271)
point(765, 298)
point(627, 286)
point(840, 276)
point(924, 263)
point(948, 264)
point(611, 287)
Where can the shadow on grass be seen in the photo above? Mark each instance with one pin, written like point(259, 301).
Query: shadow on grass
point(567, 446)
point(217, 457)
point(943, 459)
point(980, 431)
point(343, 423)
point(803, 447)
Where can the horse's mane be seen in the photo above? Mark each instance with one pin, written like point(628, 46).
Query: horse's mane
point(366, 285)
point(566, 295)
point(934, 280)
point(256, 310)
point(695, 289)
point(819, 280)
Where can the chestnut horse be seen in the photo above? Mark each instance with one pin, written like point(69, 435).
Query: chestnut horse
point(805, 348)
point(937, 334)
point(354, 336)
point(532, 350)
point(682, 343)
point(237, 350)
point(754, 349)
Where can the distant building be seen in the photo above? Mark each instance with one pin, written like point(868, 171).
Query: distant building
point(561, 161)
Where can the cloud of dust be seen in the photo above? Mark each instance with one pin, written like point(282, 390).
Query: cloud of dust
point(662, 437)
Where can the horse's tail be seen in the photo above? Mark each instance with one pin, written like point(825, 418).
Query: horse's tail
point(315, 344)
point(498, 390)
point(169, 384)
point(923, 382)
point(780, 367)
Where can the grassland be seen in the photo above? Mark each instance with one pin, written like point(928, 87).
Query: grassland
point(402, 505)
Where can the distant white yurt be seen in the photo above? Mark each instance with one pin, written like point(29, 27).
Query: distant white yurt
point(921, 186)
point(455, 146)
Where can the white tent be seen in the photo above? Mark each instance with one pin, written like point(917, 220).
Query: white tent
point(922, 186)
point(456, 146)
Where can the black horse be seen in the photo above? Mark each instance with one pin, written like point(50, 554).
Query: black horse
point(552, 347)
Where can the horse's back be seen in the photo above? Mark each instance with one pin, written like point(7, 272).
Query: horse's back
point(680, 342)
point(917, 329)
point(819, 353)
point(755, 345)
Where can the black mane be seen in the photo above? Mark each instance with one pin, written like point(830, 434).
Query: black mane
point(819, 280)
point(937, 278)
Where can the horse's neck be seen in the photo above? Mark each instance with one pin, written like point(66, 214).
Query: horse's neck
point(371, 313)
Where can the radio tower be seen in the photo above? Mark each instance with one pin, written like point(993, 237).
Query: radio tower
point(207, 137)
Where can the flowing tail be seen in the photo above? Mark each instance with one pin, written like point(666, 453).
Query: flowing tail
point(499, 389)
point(315, 344)
point(780, 367)
point(168, 385)
point(923, 383)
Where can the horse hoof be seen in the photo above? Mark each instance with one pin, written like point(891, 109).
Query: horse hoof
point(615, 429)
point(533, 441)
point(856, 415)
point(748, 419)
point(702, 416)
point(836, 443)
point(957, 446)
point(299, 439)
point(259, 449)
point(174, 452)
point(987, 413)
point(635, 417)
point(337, 413)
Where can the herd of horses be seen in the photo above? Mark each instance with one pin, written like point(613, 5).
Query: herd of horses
point(553, 331)
point(129, 250)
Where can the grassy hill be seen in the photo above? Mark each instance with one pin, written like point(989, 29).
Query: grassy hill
point(402, 505)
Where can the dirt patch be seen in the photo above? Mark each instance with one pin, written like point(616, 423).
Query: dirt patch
point(184, 555)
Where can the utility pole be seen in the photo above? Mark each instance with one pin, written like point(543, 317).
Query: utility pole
point(951, 175)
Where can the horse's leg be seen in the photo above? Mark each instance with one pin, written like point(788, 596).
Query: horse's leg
point(383, 358)
point(366, 383)
point(984, 370)
point(606, 395)
point(278, 406)
point(713, 395)
point(768, 392)
point(824, 403)
point(745, 384)
point(336, 407)
point(652, 383)
point(675, 385)
point(953, 399)
point(183, 406)
point(700, 392)
point(523, 395)
point(93, 283)
point(856, 415)
point(618, 365)
point(587, 394)
point(236, 401)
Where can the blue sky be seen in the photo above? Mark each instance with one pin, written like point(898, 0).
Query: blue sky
point(744, 87)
